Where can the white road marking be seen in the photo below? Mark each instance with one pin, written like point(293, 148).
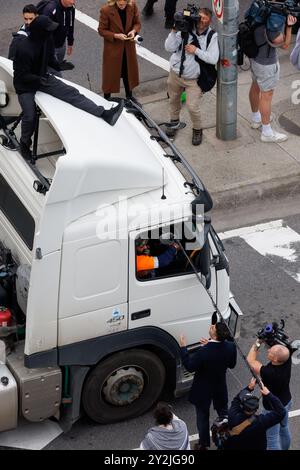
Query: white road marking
point(271, 240)
point(141, 51)
point(294, 413)
point(244, 231)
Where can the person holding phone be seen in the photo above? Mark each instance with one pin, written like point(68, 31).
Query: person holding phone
point(118, 24)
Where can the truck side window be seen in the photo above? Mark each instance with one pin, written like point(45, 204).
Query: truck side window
point(16, 213)
point(159, 258)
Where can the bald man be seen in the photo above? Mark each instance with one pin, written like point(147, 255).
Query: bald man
point(276, 377)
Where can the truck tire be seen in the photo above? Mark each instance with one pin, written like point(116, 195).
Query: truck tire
point(123, 386)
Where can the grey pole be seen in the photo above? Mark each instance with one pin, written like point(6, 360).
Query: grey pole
point(227, 71)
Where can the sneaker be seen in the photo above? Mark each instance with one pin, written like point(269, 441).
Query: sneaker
point(112, 115)
point(255, 124)
point(197, 136)
point(275, 137)
point(258, 124)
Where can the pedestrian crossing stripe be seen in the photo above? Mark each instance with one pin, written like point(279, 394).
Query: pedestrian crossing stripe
point(272, 239)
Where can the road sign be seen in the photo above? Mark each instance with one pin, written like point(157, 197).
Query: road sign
point(218, 8)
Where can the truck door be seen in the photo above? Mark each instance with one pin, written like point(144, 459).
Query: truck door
point(93, 294)
point(170, 298)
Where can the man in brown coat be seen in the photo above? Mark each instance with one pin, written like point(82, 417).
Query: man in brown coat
point(118, 24)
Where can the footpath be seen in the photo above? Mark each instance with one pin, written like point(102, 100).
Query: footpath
point(244, 170)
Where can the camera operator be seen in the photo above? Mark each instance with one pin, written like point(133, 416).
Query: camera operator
point(248, 428)
point(276, 376)
point(187, 80)
point(265, 75)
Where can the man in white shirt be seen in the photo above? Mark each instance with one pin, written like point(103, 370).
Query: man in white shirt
point(187, 80)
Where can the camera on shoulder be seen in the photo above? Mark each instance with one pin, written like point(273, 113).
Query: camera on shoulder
point(273, 334)
point(187, 19)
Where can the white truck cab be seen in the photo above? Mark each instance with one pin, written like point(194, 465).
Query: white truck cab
point(84, 331)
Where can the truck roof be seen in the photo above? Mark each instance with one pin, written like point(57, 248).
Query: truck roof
point(99, 157)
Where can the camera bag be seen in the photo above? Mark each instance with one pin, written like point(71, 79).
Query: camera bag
point(208, 72)
point(220, 431)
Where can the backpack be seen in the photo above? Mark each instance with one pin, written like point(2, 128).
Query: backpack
point(255, 16)
point(41, 5)
point(208, 76)
point(220, 432)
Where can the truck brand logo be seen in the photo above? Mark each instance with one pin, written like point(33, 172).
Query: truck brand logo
point(117, 317)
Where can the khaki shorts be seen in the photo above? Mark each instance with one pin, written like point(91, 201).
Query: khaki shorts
point(266, 76)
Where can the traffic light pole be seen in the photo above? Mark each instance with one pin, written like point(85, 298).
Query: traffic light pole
point(227, 70)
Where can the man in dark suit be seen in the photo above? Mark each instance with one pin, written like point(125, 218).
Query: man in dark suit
point(209, 363)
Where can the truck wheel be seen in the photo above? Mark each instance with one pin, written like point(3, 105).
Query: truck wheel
point(123, 386)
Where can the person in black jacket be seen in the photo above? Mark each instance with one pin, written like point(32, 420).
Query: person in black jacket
point(29, 14)
point(63, 13)
point(243, 407)
point(209, 363)
point(33, 56)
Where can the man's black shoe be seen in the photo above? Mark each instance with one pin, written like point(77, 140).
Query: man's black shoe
point(197, 136)
point(172, 127)
point(66, 65)
point(169, 23)
point(112, 115)
point(132, 98)
point(148, 8)
point(25, 151)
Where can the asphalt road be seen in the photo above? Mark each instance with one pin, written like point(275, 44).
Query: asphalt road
point(87, 55)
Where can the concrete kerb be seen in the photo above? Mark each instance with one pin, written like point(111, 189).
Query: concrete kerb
point(243, 195)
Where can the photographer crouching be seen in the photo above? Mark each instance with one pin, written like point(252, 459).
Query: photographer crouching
point(190, 40)
point(276, 377)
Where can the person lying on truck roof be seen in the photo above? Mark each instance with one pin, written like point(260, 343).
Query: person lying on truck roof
point(34, 54)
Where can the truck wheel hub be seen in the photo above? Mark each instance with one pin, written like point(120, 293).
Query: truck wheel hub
point(124, 386)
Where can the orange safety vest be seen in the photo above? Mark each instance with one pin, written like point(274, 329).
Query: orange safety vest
point(145, 262)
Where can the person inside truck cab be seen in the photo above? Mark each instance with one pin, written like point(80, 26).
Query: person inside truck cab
point(145, 262)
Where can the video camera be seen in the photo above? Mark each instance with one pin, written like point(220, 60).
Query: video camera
point(187, 19)
point(289, 7)
point(272, 334)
